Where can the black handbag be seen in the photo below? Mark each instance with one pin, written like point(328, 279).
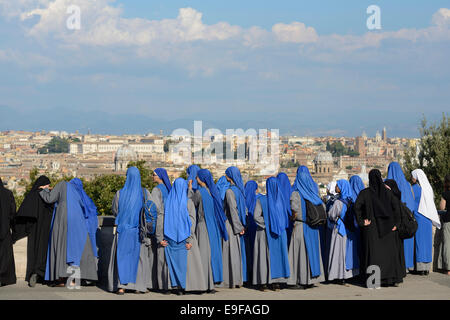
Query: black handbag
point(315, 214)
point(408, 224)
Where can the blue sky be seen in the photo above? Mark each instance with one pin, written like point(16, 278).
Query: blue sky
point(304, 67)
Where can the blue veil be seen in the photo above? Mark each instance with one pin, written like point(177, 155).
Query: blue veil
point(308, 190)
point(222, 185)
point(192, 172)
point(357, 186)
point(127, 221)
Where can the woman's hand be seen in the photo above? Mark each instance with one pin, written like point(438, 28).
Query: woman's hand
point(367, 222)
point(190, 184)
point(293, 216)
point(394, 228)
point(189, 245)
point(164, 243)
point(242, 232)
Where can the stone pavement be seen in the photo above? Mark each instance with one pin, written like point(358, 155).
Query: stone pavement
point(436, 286)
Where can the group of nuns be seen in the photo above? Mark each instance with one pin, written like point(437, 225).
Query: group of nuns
point(204, 235)
point(61, 225)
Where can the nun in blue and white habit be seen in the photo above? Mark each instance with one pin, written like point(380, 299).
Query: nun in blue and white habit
point(343, 257)
point(251, 187)
point(210, 230)
point(129, 265)
point(427, 216)
point(305, 261)
point(181, 250)
point(270, 253)
point(72, 241)
point(158, 263)
point(407, 197)
point(234, 256)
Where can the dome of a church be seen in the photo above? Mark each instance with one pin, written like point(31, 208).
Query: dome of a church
point(125, 153)
point(323, 157)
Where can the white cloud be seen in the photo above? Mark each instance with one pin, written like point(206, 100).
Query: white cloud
point(103, 25)
point(442, 17)
point(295, 32)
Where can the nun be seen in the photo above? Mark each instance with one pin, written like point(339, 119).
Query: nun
point(443, 235)
point(324, 236)
point(210, 229)
point(7, 213)
point(343, 254)
point(332, 195)
point(234, 256)
point(395, 173)
point(72, 248)
point(33, 220)
point(182, 252)
point(158, 263)
point(129, 267)
point(392, 184)
point(357, 185)
point(286, 190)
point(222, 185)
point(377, 213)
point(251, 195)
point(192, 176)
point(305, 261)
point(270, 254)
point(427, 216)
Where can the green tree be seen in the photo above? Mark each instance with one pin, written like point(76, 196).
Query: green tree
point(102, 190)
point(55, 178)
point(146, 173)
point(434, 153)
point(58, 145)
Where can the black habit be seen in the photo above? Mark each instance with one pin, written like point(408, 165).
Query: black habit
point(33, 220)
point(7, 213)
point(380, 246)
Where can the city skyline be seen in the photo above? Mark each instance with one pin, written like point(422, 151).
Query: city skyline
point(304, 68)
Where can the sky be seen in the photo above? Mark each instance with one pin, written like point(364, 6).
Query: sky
point(303, 67)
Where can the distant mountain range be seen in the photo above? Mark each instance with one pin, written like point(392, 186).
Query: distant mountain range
point(104, 123)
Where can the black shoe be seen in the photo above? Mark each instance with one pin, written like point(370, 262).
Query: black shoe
point(179, 292)
point(275, 287)
point(212, 291)
point(33, 280)
point(295, 287)
point(425, 273)
point(166, 292)
point(263, 288)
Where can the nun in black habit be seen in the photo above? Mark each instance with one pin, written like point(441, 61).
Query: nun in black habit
point(7, 213)
point(377, 212)
point(33, 220)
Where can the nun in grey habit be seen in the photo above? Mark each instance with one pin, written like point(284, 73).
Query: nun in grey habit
point(231, 249)
point(57, 267)
point(338, 263)
point(201, 234)
point(132, 206)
